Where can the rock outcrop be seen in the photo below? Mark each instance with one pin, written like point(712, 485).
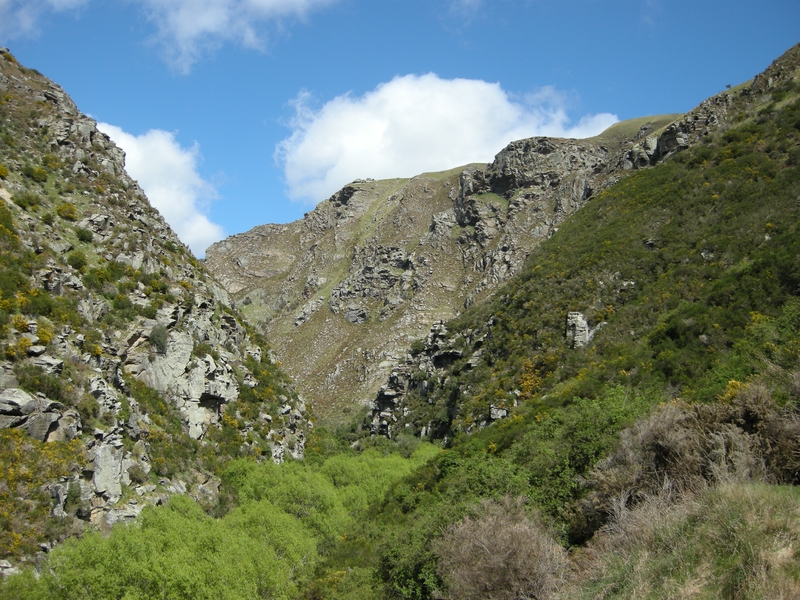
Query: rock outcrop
point(119, 328)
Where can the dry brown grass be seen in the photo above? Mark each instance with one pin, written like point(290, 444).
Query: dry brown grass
point(734, 541)
point(501, 553)
point(686, 448)
point(687, 513)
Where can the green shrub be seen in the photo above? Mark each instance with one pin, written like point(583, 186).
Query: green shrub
point(201, 349)
point(3, 171)
point(48, 219)
point(88, 409)
point(35, 379)
point(417, 346)
point(148, 312)
point(111, 272)
point(26, 200)
point(50, 161)
point(38, 174)
point(121, 303)
point(137, 474)
point(177, 551)
point(76, 259)
point(67, 211)
point(26, 467)
point(84, 235)
point(158, 338)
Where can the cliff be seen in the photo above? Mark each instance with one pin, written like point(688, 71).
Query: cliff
point(122, 360)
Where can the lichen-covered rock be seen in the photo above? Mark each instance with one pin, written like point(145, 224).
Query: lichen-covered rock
point(577, 333)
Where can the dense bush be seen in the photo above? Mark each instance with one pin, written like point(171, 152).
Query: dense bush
point(26, 466)
point(67, 211)
point(84, 235)
point(158, 338)
point(26, 200)
point(38, 174)
point(76, 259)
point(265, 548)
point(500, 553)
point(35, 379)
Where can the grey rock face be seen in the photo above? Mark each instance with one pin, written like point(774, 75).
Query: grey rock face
point(308, 309)
point(17, 402)
point(107, 478)
point(138, 276)
point(577, 330)
point(50, 364)
point(43, 419)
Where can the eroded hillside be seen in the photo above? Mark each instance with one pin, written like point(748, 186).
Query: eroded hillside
point(343, 292)
point(125, 373)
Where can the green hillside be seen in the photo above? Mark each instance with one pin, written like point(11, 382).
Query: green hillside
point(689, 273)
point(657, 459)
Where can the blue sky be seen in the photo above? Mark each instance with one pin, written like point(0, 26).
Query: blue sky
point(235, 113)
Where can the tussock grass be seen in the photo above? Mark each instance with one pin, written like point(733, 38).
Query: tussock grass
point(732, 541)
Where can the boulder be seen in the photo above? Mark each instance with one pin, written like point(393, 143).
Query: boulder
point(107, 462)
point(356, 314)
point(17, 402)
point(51, 365)
point(67, 428)
point(39, 425)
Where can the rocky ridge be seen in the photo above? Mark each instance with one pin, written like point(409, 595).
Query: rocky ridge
point(428, 364)
point(105, 309)
point(345, 290)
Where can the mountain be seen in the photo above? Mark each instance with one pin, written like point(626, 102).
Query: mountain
point(344, 291)
point(636, 383)
point(126, 374)
point(668, 261)
point(619, 417)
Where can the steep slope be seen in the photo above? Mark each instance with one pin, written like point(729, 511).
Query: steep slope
point(344, 291)
point(615, 295)
point(126, 374)
point(632, 393)
point(633, 379)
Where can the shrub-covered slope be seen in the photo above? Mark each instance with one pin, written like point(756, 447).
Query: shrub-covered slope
point(621, 420)
point(125, 372)
point(661, 280)
point(687, 275)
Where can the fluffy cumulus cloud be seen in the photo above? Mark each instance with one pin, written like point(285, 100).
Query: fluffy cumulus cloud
point(20, 17)
point(188, 28)
point(414, 124)
point(168, 175)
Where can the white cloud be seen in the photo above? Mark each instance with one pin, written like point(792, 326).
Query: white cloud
point(188, 28)
point(19, 18)
point(414, 124)
point(168, 175)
